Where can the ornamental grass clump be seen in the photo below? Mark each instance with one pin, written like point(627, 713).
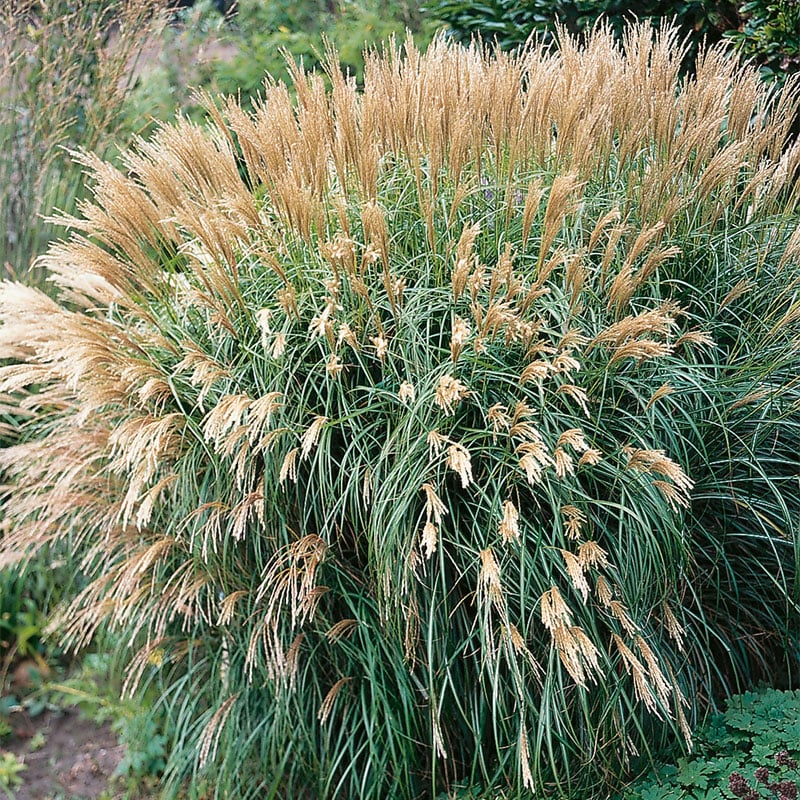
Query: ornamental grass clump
point(66, 73)
point(438, 434)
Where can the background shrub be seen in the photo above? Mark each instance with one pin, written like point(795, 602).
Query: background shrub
point(434, 436)
point(266, 31)
point(754, 742)
point(256, 39)
point(512, 23)
point(769, 33)
point(764, 31)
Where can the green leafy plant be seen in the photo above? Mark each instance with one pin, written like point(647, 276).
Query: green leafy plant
point(27, 594)
point(145, 746)
point(264, 31)
point(766, 782)
point(750, 750)
point(10, 769)
point(770, 35)
point(21, 616)
point(436, 435)
point(507, 22)
point(93, 689)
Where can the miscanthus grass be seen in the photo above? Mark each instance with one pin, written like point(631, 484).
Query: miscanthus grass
point(438, 434)
point(66, 69)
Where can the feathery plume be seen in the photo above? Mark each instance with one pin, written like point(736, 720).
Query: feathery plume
point(636, 670)
point(490, 579)
point(591, 457)
point(559, 204)
point(334, 366)
point(449, 393)
point(498, 418)
point(460, 334)
point(554, 610)
point(429, 538)
point(436, 443)
point(341, 630)
point(575, 571)
point(289, 466)
point(326, 708)
point(656, 461)
point(310, 437)
point(465, 260)
point(590, 554)
point(564, 464)
point(278, 347)
point(575, 439)
point(407, 392)
point(381, 346)
point(577, 394)
point(535, 371)
point(533, 459)
point(573, 521)
point(672, 625)
point(460, 461)
point(435, 509)
point(209, 740)
point(662, 391)
point(509, 523)
point(603, 589)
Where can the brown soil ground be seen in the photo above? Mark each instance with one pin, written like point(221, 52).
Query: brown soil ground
point(74, 760)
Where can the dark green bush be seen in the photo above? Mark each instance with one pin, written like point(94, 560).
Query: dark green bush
point(507, 22)
point(769, 34)
point(511, 22)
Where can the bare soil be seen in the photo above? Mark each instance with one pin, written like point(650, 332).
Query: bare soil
point(66, 757)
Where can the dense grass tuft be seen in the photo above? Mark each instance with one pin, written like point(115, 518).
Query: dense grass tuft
point(66, 70)
point(440, 434)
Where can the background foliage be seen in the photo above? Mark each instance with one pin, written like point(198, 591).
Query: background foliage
point(769, 33)
point(233, 52)
point(763, 30)
point(756, 737)
point(65, 72)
